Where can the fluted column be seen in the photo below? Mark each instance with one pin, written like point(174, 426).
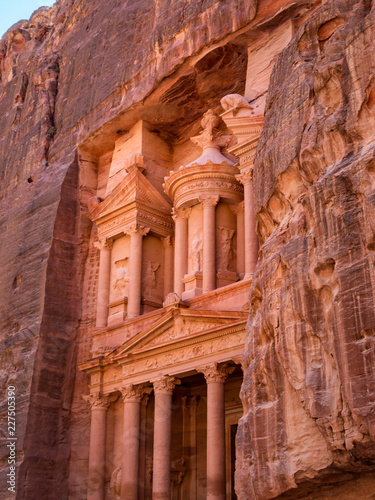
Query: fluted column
point(163, 390)
point(168, 265)
point(180, 217)
point(209, 236)
point(135, 269)
point(132, 397)
point(99, 405)
point(215, 376)
point(251, 238)
point(238, 210)
point(104, 279)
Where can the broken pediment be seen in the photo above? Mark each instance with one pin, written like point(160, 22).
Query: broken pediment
point(134, 200)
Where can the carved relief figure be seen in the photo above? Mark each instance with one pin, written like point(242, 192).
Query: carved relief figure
point(150, 281)
point(120, 283)
point(196, 252)
point(226, 248)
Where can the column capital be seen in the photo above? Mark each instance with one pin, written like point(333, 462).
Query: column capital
point(131, 393)
point(180, 213)
point(104, 244)
point(136, 229)
point(165, 385)
point(209, 201)
point(246, 176)
point(167, 241)
point(238, 209)
point(99, 400)
point(216, 372)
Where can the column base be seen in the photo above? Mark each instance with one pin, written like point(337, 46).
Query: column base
point(117, 312)
point(224, 278)
point(193, 285)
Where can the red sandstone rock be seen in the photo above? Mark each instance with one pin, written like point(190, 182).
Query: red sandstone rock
point(67, 77)
point(309, 389)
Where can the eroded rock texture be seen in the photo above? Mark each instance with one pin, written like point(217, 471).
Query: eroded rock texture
point(309, 390)
point(77, 74)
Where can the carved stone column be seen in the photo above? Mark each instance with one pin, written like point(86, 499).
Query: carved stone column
point(142, 454)
point(215, 376)
point(135, 269)
point(238, 210)
point(168, 265)
point(251, 238)
point(132, 397)
point(209, 236)
point(181, 248)
point(104, 279)
point(163, 390)
point(99, 405)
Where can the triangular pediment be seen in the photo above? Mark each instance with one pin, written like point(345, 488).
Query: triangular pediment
point(134, 188)
point(178, 325)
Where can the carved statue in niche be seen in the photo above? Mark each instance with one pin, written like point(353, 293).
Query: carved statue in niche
point(196, 252)
point(150, 281)
point(226, 248)
point(120, 283)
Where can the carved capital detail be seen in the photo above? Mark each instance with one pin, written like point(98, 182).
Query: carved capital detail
point(134, 392)
point(216, 372)
point(167, 241)
point(99, 400)
point(238, 209)
point(136, 229)
point(104, 244)
point(165, 385)
point(209, 201)
point(181, 213)
point(245, 177)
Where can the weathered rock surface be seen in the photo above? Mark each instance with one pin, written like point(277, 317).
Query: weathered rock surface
point(65, 78)
point(309, 390)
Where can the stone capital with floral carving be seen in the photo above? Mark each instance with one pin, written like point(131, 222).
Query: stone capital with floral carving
point(104, 244)
point(167, 242)
point(245, 177)
point(134, 393)
point(136, 229)
point(216, 372)
point(209, 201)
point(238, 209)
point(100, 401)
point(181, 213)
point(165, 385)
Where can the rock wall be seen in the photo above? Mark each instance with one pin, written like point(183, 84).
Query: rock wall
point(308, 389)
point(66, 76)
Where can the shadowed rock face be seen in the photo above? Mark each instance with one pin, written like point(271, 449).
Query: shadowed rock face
point(308, 390)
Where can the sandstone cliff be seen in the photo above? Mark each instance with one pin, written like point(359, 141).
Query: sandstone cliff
point(67, 75)
point(309, 359)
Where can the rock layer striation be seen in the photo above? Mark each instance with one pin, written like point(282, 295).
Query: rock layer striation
point(308, 388)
